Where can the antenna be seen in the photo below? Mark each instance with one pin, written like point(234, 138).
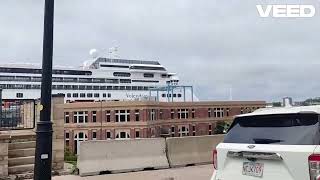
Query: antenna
point(113, 52)
point(230, 93)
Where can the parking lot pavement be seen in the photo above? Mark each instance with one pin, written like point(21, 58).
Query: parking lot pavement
point(203, 172)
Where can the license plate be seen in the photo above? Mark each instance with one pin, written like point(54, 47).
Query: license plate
point(252, 169)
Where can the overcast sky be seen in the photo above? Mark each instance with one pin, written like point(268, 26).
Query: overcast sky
point(211, 44)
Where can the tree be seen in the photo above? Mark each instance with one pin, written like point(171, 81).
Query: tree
point(222, 127)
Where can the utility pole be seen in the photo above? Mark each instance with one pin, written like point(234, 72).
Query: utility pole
point(43, 155)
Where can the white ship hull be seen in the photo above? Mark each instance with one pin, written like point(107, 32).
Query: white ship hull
point(116, 95)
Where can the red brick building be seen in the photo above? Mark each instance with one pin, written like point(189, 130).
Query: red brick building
point(132, 119)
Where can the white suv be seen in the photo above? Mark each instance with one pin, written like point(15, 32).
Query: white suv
point(271, 144)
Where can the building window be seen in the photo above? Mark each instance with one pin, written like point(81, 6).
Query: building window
point(137, 133)
point(108, 116)
point(152, 115)
point(19, 95)
point(193, 130)
point(68, 95)
point(172, 131)
point(96, 95)
point(109, 95)
point(66, 117)
point(80, 117)
point(183, 131)
point(108, 135)
point(172, 113)
point(94, 116)
point(89, 95)
point(122, 135)
point(209, 112)
point(179, 95)
point(94, 135)
point(210, 129)
point(67, 138)
point(122, 115)
point(228, 111)
point(161, 114)
point(193, 112)
point(153, 132)
point(104, 95)
point(218, 112)
point(83, 95)
point(137, 115)
point(183, 113)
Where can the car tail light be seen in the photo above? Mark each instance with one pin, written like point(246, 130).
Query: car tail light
point(314, 166)
point(215, 159)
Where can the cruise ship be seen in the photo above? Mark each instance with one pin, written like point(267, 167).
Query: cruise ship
point(99, 79)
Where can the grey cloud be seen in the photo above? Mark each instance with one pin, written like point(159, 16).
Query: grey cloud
point(212, 44)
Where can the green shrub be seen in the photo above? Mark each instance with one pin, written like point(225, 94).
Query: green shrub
point(69, 156)
point(222, 127)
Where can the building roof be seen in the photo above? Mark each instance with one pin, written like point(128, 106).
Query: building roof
point(164, 104)
point(284, 110)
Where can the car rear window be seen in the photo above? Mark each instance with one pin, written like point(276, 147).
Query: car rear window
point(287, 129)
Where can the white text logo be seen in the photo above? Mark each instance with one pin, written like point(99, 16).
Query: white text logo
point(286, 10)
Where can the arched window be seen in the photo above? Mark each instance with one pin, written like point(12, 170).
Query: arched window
point(79, 137)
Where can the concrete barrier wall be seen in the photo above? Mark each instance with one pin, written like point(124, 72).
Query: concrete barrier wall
point(191, 150)
point(121, 156)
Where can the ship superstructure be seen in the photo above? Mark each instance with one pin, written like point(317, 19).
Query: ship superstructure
point(100, 79)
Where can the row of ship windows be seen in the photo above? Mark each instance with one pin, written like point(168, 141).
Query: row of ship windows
point(74, 72)
point(125, 61)
point(135, 67)
point(146, 75)
point(96, 95)
point(76, 80)
point(75, 87)
point(88, 95)
point(39, 71)
point(170, 95)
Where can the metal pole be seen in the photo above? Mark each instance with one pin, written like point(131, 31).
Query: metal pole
point(172, 94)
point(0, 104)
point(43, 155)
point(168, 93)
point(157, 94)
point(191, 93)
point(184, 94)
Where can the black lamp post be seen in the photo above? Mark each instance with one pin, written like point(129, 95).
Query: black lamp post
point(43, 155)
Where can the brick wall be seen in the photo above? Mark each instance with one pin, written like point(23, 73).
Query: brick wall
point(4, 139)
point(58, 133)
point(148, 128)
